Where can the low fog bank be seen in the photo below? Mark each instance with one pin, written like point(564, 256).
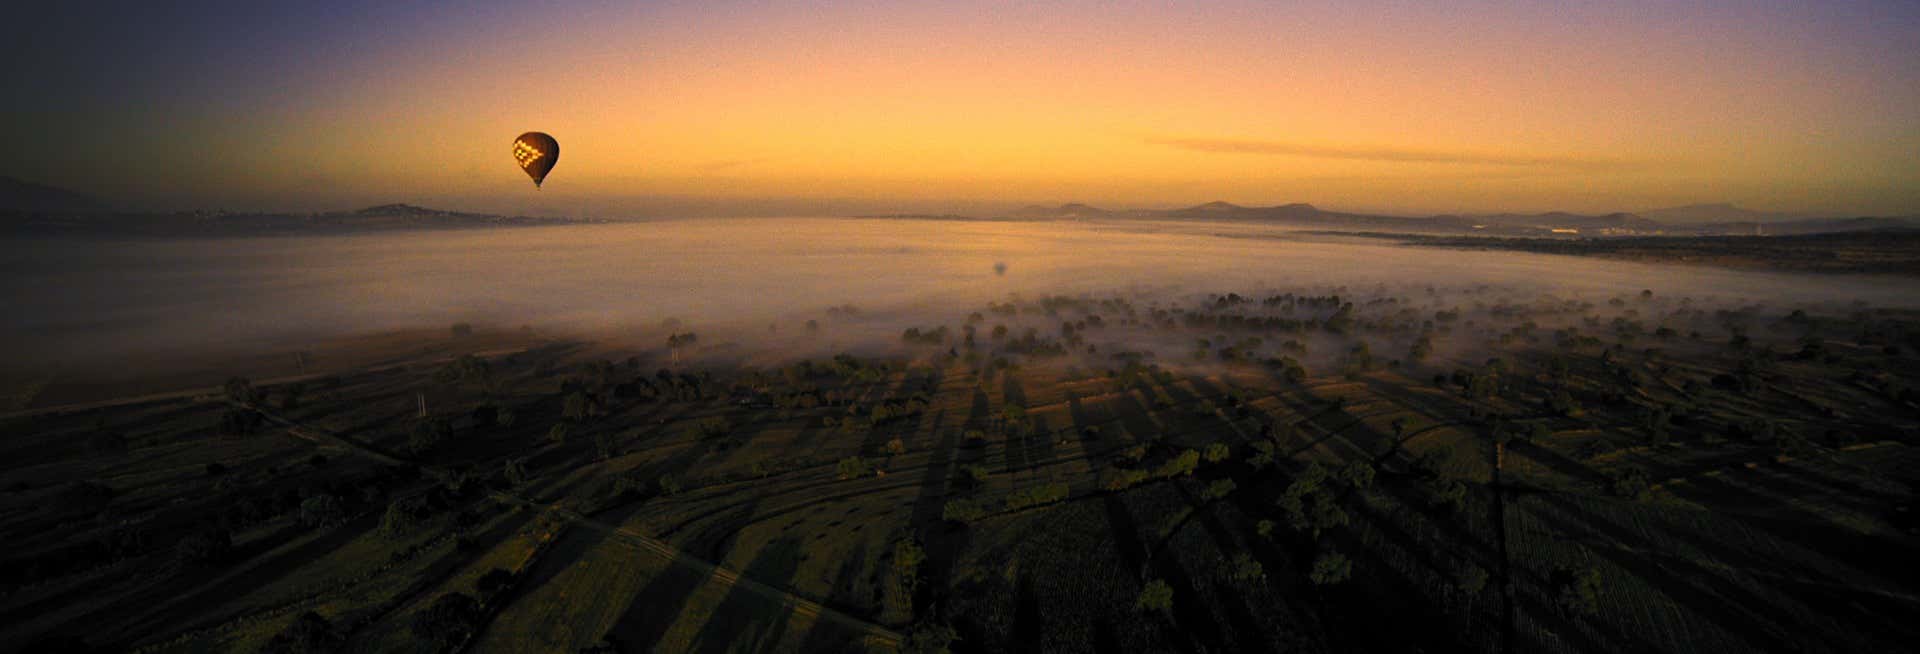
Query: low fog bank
point(747, 286)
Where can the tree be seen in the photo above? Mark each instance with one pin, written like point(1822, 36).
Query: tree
point(558, 433)
point(854, 467)
point(929, 638)
point(1330, 568)
point(309, 633)
point(963, 510)
point(237, 421)
point(577, 407)
point(492, 583)
point(714, 427)
point(1155, 596)
point(82, 497)
point(907, 557)
point(1421, 349)
point(1184, 464)
point(1563, 403)
point(605, 444)
point(448, 621)
point(428, 434)
point(1632, 484)
point(1217, 452)
point(1218, 489)
point(1468, 578)
point(1243, 569)
point(896, 447)
point(239, 389)
point(975, 475)
point(322, 510)
point(401, 516)
point(515, 472)
point(1577, 591)
point(1358, 473)
point(204, 547)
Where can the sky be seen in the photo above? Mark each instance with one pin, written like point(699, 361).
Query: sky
point(770, 107)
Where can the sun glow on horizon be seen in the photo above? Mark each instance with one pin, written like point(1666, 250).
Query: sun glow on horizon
point(1615, 107)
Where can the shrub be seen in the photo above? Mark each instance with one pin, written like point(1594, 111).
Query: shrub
point(493, 582)
point(322, 510)
point(204, 547)
point(1032, 496)
point(237, 421)
point(714, 427)
point(1468, 578)
point(428, 434)
point(83, 497)
point(963, 510)
point(1185, 464)
point(1577, 591)
point(1358, 473)
point(1218, 489)
point(1330, 568)
point(1632, 484)
point(1119, 479)
point(448, 621)
point(929, 638)
point(1155, 596)
point(975, 475)
point(853, 467)
point(310, 632)
point(1245, 570)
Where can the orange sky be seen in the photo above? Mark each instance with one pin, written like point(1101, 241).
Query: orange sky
point(1388, 106)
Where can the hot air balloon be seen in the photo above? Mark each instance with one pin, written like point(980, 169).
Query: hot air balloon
point(536, 152)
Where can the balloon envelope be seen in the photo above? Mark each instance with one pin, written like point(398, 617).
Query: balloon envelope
point(536, 153)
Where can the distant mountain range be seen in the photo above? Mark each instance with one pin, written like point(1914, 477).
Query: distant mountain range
point(1720, 213)
point(30, 207)
point(387, 217)
point(1695, 219)
point(18, 195)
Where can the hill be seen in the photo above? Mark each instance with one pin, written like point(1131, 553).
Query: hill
point(387, 217)
point(23, 196)
point(1721, 212)
point(1068, 210)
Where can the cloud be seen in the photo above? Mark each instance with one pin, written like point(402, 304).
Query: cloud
point(1391, 154)
point(730, 164)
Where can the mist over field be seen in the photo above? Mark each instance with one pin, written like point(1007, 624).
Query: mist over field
point(80, 303)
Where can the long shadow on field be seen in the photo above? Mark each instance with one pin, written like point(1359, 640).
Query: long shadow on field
point(827, 636)
point(176, 608)
point(927, 507)
point(1189, 618)
point(1694, 588)
point(653, 610)
point(1378, 586)
point(1012, 392)
point(1244, 634)
point(1039, 441)
point(747, 621)
point(1739, 611)
point(1134, 417)
point(1556, 462)
point(1860, 549)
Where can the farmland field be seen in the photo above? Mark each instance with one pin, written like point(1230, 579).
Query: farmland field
point(1495, 466)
